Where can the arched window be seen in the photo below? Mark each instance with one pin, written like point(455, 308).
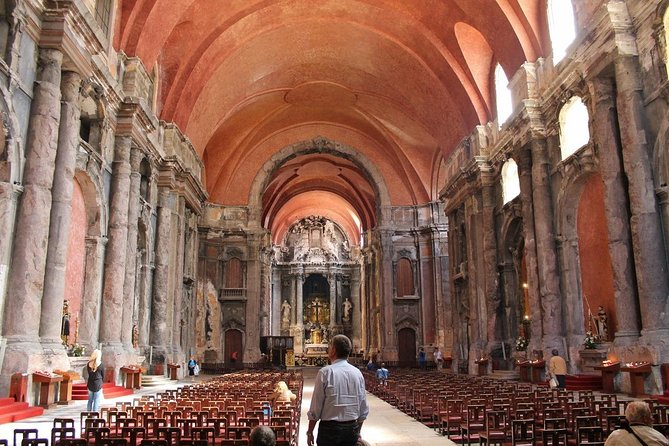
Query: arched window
point(561, 27)
point(503, 96)
point(404, 278)
point(510, 181)
point(574, 131)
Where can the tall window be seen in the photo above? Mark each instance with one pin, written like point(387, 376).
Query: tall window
point(561, 27)
point(103, 14)
point(503, 96)
point(405, 286)
point(574, 130)
point(510, 181)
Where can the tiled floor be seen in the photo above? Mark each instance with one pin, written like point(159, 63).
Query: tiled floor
point(385, 426)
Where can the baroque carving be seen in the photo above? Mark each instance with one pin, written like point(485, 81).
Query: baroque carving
point(314, 239)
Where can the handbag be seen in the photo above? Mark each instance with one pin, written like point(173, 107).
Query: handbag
point(553, 383)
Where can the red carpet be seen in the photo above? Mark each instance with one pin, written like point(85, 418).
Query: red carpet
point(584, 382)
point(11, 411)
point(109, 390)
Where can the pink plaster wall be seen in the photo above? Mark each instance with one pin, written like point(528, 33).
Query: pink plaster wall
point(593, 240)
point(76, 254)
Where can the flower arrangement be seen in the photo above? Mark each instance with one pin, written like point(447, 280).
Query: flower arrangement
point(522, 343)
point(590, 341)
point(77, 350)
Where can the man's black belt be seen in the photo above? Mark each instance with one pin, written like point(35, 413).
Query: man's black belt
point(338, 422)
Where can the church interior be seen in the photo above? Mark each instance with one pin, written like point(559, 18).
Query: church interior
point(224, 180)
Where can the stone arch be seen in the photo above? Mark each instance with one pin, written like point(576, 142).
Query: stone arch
point(568, 202)
point(512, 273)
point(318, 145)
point(90, 182)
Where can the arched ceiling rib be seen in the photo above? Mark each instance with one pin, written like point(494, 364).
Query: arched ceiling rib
point(400, 82)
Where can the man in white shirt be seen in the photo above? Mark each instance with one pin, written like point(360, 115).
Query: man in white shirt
point(640, 428)
point(438, 358)
point(339, 400)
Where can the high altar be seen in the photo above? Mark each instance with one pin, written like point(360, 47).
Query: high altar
point(316, 287)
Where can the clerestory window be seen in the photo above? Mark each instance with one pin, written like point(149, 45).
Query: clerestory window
point(561, 27)
point(510, 181)
point(502, 96)
point(574, 129)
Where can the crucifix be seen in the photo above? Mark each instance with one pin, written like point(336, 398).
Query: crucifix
point(315, 309)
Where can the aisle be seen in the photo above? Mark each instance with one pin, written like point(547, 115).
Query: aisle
point(385, 425)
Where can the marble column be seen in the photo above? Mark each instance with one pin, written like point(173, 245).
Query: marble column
point(523, 159)
point(253, 290)
point(357, 308)
point(493, 298)
point(275, 329)
point(298, 331)
point(607, 138)
point(91, 301)
point(332, 282)
point(130, 279)
point(544, 232)
point(61, 213)
point(649, 256)
point(388, 329)
point(178, 275)
point(159, 337)
point(115, 257)
point(26, 278)
point(9, 194)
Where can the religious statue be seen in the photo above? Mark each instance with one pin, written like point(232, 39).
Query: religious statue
point(346, 307)
point(285, 312)
point(135, 336)
point(65, 322)
point(602, 324)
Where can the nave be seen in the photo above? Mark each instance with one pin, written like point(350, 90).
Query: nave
point(386, 425)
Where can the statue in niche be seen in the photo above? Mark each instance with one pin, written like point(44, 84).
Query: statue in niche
point(65, 322)
point(602, 324)
point(346, 310)
point(285, 312)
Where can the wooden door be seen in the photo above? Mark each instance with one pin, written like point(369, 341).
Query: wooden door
point(406, 339)
point(234, 348)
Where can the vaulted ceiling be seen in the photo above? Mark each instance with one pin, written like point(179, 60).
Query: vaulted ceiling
point(400, 82)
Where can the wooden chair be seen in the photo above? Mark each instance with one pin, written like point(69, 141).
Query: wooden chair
point(496, 428)
point(171, 434)
point(523, 432)
point(193, 443)
point(63, 422)
point(590, 436)
point(554, 432)
point(71, 442)
point(21, 434)
point(208, 434)
point(150, 442)
point(450, 424)
point(58, 433)
point(237, 432)
point(35, 442)
point(112, 442)
point(473, 423)
point(133, 434)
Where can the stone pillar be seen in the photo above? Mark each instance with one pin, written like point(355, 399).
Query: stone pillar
point(129, 283)
point(115, 257)
point(275, 329)
point(9, 194)
point(144, 305)
point(523, 158)
point(606, 137)
point(178, 276)
point(298, 328)
point(649, 257)
point(159, 336)
point(253, 290)
point(61, 214)
point(388, 333)
point(332, 282)
point(89, 322)
point(544, 232)
point(28, 264)
point(357, 307)
point(493, 298)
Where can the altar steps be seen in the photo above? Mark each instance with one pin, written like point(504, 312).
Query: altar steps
point(109, 390)
point(507, 375)
point(156, 381)
point(584, 382)
point(11, 411)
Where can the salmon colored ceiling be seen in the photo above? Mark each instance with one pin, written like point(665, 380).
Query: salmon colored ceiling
point(400, 82)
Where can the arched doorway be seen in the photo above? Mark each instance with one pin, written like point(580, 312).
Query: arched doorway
point(406, 339)
point(234, 349)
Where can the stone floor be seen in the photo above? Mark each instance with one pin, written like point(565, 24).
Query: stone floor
point(385, 426)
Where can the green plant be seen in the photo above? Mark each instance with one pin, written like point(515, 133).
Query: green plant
point(590, 341)
point(522, 343)
point(77, 350)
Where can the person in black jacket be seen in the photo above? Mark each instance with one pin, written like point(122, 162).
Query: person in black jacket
point(94, 381)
